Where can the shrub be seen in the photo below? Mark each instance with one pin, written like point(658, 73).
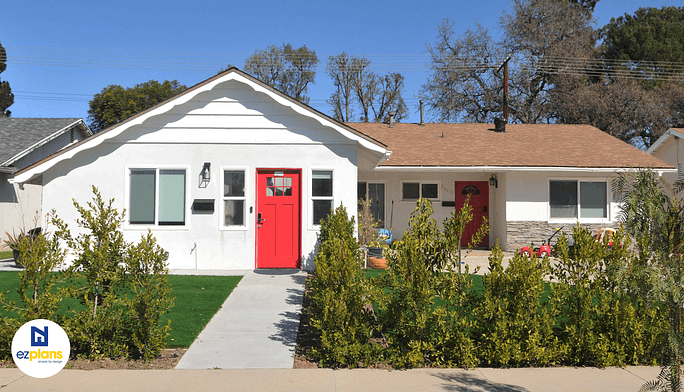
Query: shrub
point(339, 305)
point(516, 325)
point(123, 286)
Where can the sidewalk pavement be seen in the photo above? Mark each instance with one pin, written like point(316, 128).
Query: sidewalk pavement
point(323, 380)
point(255, 328)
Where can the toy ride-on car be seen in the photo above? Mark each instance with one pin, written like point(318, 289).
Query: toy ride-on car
point(543, 251)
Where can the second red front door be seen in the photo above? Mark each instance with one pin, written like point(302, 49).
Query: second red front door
point(479, 200)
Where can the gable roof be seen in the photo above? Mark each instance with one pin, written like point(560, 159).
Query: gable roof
point(521, 146)
point(669, 134)
point(31, 172)
point(21, 136)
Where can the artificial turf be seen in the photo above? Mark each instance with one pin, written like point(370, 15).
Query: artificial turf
point(197, 299)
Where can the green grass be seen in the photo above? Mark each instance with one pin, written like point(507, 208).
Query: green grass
point(6, 255)
point(197, 299)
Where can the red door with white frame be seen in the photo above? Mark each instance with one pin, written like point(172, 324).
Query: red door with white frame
point(479, 200)
point(278, 218)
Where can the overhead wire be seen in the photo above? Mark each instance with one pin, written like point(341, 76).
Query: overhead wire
point(380, 62)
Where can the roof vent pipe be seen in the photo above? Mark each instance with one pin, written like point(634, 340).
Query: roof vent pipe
point(421, 113)
point(499, 125)
point(391, 122)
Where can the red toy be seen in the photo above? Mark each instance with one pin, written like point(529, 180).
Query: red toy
point(543, 251)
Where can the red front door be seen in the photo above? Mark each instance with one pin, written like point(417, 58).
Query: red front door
point(479, 200)
point(278, 218)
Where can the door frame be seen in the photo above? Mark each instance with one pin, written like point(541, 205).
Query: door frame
point(256, 214)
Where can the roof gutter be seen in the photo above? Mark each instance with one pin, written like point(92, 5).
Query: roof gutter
point(476, 169)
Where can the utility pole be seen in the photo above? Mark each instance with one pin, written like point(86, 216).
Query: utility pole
point(505, 97)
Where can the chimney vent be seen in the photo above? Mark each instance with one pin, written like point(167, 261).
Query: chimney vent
point(499, 125)
point(391, 122)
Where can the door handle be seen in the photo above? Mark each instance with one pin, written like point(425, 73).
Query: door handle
point(485, 209)
point(260, 219)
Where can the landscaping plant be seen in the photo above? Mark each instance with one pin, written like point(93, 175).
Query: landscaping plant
point(123, 286)
point(515, 323)
point(338, 295)
point(656, 220)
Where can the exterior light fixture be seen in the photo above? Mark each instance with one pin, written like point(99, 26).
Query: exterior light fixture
point(493, 182)
point(206, 173)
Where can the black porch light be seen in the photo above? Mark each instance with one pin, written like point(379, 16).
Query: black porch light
point(493, 182)
point(206, 173)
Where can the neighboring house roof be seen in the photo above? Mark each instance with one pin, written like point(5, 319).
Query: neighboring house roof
point(521, 146)
point(669, 134)
point(35, 170)
point(20, 136)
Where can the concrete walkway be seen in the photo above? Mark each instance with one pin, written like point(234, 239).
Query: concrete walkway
point(323, 380)
point(255, 328)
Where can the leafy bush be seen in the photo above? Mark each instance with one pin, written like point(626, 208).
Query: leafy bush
point(338, 295)
point(124, 287)
point(516, 325)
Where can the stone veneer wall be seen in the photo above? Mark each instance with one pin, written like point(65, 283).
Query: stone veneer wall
point(523, 233)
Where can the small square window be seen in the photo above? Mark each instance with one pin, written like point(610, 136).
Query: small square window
point(429, 191)
point(410, 191)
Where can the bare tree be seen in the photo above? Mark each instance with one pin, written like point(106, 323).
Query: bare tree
point(285, 68)
point(539, 35)
point(356, 85)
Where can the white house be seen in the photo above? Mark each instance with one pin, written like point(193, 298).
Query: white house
point(23, 142)
point(670, 149)
point(232, 174)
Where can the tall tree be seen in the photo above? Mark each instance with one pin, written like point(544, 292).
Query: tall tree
point(651, 40)
point(540, 35)
point(114, 103)
point(356, 85)
point(6, 96)
point(635, 92)
point(287, 69)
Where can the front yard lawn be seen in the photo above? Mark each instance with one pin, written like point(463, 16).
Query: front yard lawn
point(6, 255)
point(197, 299)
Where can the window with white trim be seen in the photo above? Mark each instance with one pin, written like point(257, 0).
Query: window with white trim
point(411, 191)
point(321, 194)
point(234, 198)
point(572, 199)
point(157, 197)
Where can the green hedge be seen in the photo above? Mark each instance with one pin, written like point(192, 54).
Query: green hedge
point(425, 311)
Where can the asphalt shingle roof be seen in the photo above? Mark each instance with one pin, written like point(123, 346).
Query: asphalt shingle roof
point(18, 134)
point(522, 145)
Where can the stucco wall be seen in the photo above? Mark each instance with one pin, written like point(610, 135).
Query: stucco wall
point(229, 127)
point(671, 152)
point(397, 212)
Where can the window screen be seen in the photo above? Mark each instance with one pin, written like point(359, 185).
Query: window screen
point(172, 197)
point(593, 200)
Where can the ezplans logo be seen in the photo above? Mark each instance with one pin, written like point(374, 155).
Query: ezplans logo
point(40, 348)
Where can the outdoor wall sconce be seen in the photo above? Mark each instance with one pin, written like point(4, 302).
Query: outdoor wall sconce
point(206, 173)
point(493, 182)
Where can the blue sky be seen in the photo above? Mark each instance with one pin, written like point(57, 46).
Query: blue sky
point(60, 53)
